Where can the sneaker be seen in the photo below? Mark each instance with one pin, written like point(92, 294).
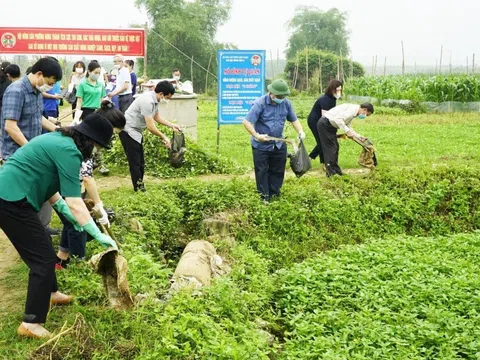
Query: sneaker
point(61, 264)
point(103, 170)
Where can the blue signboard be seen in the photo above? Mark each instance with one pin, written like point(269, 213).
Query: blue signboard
point(241, 80)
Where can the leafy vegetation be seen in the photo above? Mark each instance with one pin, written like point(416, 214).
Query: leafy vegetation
point(341, 264)
point(400, 298)
point(296, 69)
point(197, 160)
point(438, 88)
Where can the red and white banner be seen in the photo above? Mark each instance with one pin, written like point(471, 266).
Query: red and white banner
point(46, 41)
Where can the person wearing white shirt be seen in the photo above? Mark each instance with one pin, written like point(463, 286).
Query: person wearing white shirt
point(124, 84)
point(340, 117)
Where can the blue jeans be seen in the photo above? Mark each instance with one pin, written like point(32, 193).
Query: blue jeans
point(269, 171)
point(72, 241)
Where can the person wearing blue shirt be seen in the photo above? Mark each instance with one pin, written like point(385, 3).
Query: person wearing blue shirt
point(51, 99)
point(265, 119)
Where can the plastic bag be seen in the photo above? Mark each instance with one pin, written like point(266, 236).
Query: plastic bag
point(299, 161)
point(177, 150)
point(367, 157)
point(70, 96)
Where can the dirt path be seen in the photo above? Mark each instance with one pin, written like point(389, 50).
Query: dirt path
point(112, 182)
point(8, 258)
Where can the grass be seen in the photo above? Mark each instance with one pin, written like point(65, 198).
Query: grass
point(435, 161)
point(400, 141)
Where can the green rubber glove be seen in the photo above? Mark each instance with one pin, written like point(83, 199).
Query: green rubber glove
point(104, 240)
point(62, 207)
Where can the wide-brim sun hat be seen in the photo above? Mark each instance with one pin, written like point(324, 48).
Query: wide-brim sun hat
point(279, 87)
point(97, 128)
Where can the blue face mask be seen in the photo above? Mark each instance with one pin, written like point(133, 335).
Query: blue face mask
point(362, 116)
point(278, 101)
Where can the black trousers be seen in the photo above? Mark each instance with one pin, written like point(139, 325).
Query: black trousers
point(124, 101)
point(330, 147)
point(136, 159)
point(24, 229)
point(86, 112)
point(269, 171)
point(317, 150)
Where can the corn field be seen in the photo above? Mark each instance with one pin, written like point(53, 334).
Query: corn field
point(438, 88)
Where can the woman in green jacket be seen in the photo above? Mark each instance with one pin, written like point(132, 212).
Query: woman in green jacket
point(41, 169)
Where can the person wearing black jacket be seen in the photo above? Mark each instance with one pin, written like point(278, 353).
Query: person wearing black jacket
point(4, 81)
point(323, 104)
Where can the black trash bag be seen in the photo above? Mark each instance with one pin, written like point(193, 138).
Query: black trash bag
point(299, 161)
point(176, 152)
point(71, 97)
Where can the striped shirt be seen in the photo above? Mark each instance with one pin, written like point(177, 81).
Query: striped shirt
point(23, 104)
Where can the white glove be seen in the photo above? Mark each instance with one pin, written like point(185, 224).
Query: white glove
point(76, 118)
point(301, 135)
point(104, 219)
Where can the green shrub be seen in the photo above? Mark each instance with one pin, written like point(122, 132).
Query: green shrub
point(197, 161)
point(309, 217)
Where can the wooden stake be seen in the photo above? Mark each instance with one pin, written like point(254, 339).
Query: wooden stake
point(191, 70)
point(208, 71)
point(320, 85)
point(473, 63)
point(278, 57)
point(351, 67)
point(306, 66)
point(450, 66)
point(272, 73)
point(341, 75)
point(385, 67)
point(441, 57)
point(403, 59)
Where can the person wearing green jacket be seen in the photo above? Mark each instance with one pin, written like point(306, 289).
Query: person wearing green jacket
point(38, 172)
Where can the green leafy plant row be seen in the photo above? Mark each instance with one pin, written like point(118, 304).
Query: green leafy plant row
point(399, 298)
point(438, 88)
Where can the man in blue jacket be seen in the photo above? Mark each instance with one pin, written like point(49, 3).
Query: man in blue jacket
point(267, 119)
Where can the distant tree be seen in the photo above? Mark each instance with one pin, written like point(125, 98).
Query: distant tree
point(333, 67)
point(319, 30)
point(190, 26)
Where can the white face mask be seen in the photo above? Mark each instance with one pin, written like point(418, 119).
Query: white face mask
point(164, 101)
point(94, 77)
point(117, 66)
point(338, 95)
point(79, 70)
point(176, 77)
point(44, 88)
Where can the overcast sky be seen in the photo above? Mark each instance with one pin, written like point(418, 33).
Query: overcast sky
point(377, 26)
